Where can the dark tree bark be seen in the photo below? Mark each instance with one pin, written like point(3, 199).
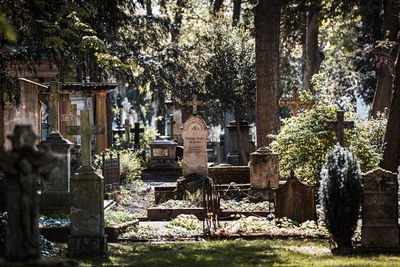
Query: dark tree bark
point(391, 154)
point(267, 23)
point(240, 138)
point(217, 6)
point(236, 11)
point(313, 55)
point(149, 9)
point(178, 19)
point(383, 90)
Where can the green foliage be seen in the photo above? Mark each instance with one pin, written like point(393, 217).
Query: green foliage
point(340, 194)
point(112, 217)
point(304, 140)
point(187, 221)
point(196, 197)
point(147, 137)
point(131, 164)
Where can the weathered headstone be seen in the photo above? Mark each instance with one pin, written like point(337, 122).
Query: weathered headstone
point(264, 173)
point(294, 102)
point(194, 134)
point(22, 167)
point(339, 125)
point(55, 198)
point(380, 226)
point(295, 200)
point(87, 197)
point(137, 131)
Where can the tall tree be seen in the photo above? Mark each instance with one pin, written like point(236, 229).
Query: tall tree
point(383, 90)
point(267, 23)
point(391, 154)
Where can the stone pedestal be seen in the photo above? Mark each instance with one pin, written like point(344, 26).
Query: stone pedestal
point(87, 214)
point(380, 228)
point(264, 169)
point(55, 195)
point(234, 157)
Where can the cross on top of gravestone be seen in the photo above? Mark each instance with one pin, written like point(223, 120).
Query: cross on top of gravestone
point(339, 125)
point(85, 130)
point(22, 166)
point(194, 103)
point(127, 127)
point(294, 102)
point(54, 97)
point(137, 131)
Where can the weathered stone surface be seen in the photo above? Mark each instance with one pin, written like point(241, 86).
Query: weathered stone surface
point(54, 198)
point(22, 166)
point(295, 200)
point(225, 174)
point(87, 198)
point(194, 134)
point(264, 169)
point(380, 209)
point(234, 156)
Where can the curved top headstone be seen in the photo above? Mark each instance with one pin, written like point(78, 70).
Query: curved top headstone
point(194, 134)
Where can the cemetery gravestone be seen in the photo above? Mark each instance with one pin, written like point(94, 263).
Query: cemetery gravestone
point(55, 198)
point(127, 127)
point(234, 157)
point(295, 200)
point(194, 134)
point(87, 197)
point(137, 131)
point(22, 166)
point(264, 173)
point(339, 125)
point(380, 226)
point(294, 102)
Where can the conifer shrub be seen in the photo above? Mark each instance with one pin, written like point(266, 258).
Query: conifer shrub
point(340, 194)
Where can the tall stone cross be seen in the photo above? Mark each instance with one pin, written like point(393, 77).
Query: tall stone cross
point(54, 98)
point(172, 122)
point(294, 102)
point(339, 125)
point(71, 118)
point(85, 130)
point(194, 103)
point(127, 127)
point(137, 131)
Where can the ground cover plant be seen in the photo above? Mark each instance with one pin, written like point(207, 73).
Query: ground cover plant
point(234, 253)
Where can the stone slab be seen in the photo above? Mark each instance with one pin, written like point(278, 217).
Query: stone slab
point(229, 174)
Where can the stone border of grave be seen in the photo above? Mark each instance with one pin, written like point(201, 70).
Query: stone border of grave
point(60, 234)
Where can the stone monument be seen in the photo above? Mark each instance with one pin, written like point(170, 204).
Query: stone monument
point(55, 198)
point(264, 173)
point(380, 227)
point(295, 103)
point(339, 125)
point(87, 197)
point(22, 167)
point(194, 134)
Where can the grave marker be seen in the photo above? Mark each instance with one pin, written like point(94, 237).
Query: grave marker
point(194, 103)
point(295, 200)
point(294, 102)
point(71, 119)
point(127, 127)
point(339, 125)
point(87, 197)
point(137, 131)
point(380, 226)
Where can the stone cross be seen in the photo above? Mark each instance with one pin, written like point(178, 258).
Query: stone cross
point(71, 118)
point(294, 103)
point(194, 103)
point(85, 130)
point(22, 166)
point(54, 98)
point(127, 127)
point(172, 122)
point(339, 125)
point(137, 131)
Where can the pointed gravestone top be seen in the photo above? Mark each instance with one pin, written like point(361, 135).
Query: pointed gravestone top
point(339, 125)
point(194, 134)
point(85, 130)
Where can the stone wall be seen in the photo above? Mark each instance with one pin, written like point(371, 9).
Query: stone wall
point(27, 113)
point(229, 174)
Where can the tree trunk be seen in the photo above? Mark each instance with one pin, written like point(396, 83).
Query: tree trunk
point(178, 19)
point(383, 89)
point(267, 23)
point(149, 9)
point(217, 6)
point(391, 154)
point(240, 139)
point(313, 55)
point(236, 11)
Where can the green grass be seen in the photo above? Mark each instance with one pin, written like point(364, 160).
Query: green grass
point(234, 253)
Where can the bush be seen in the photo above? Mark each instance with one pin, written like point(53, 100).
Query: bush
point(340, 194)
point(304, 140)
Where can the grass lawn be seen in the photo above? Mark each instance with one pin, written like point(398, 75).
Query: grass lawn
point(234, 252)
